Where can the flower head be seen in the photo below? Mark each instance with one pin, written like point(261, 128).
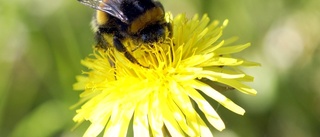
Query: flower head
point(160, 96)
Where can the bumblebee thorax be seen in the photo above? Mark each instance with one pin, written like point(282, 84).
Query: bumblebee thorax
point(150, 17)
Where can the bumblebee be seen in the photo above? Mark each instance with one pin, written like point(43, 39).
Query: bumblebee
point(140, 20)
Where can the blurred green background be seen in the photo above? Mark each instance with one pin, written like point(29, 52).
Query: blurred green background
point(42, 43)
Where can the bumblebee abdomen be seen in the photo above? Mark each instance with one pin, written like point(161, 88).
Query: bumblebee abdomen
point(105, 23)
point(102, 18)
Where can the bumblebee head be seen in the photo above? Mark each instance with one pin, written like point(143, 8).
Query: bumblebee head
point(156, 32)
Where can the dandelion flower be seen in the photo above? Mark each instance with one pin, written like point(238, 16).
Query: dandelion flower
point(161, 99)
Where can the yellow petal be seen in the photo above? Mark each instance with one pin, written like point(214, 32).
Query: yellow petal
point(217, 96)
point(212, 116)
point(140, 121)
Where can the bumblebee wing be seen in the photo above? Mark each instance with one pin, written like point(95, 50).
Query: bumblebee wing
point(111, 7)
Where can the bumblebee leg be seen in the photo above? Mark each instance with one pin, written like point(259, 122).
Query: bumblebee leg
point(121, 48)
point(101, 42)
point(104, 45)
point(136, 48)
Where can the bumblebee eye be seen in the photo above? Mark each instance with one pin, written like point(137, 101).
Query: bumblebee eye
point(151, 35)
point(145, 37)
